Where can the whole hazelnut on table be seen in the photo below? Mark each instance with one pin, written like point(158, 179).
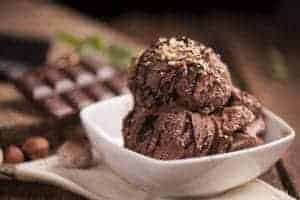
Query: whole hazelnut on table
point(76, 153)
point(13, 155)
point(36, 147)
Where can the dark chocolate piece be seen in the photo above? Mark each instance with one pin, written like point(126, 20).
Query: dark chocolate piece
point(11, 70)
point(57, 107)
point(98, 66)
point(98, 91)
point(105, 73)
point(34, 86)
point(58, 80)
point(81, 76)
point(117, 85)
point(77, 98)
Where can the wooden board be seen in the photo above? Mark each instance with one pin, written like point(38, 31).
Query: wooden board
point(14, 190)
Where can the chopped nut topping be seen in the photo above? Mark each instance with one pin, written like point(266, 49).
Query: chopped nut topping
point(180, 52)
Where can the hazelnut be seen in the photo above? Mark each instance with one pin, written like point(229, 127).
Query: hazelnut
point(13, 155)
point(76, 153)
point(36, 147)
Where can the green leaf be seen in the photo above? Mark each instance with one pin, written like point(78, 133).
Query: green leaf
point(96, 42)
point(87, 49)
point(119, 56)
point(279, 68)
point(119, 51)
point(69, 38)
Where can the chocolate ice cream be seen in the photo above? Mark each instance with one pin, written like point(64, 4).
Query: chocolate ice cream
point(180, 133)
point(173, 134)
point(181, 71)
point(186, 106)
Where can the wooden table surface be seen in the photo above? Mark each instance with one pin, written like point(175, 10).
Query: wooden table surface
point(246, 50)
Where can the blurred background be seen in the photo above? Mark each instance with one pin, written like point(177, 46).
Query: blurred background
point(275, 24)
point(148, 19)
point(259, 40)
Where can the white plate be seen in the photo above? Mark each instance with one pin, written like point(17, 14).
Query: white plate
point(203, 176)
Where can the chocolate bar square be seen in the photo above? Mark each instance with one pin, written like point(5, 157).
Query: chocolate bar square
point(99, 92)
point(57, 107)
point(58, 80)
point(35, 87)
point(81, 76)
point(64, 91)
point(77, 99)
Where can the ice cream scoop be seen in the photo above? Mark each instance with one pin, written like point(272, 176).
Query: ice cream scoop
point(180, 71)
point(179, 133)
point(185, 104)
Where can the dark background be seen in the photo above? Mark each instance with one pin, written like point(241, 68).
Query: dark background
point(115, 8)
point(285, 14)
point(146, 20)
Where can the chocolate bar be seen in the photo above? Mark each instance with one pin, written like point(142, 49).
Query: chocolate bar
point(36, 87)
point(99, 92)
point(57, 80)
point(77, 98)
point(63, 91)
point(116, 84)
point(56, 106)
point(81, 76)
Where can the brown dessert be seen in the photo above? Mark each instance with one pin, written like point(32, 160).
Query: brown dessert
point(186, 105)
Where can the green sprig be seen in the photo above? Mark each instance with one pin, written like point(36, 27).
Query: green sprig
point(116, 55)
point(278, 66)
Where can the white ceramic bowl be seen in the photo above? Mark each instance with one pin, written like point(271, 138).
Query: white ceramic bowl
point(203, 176)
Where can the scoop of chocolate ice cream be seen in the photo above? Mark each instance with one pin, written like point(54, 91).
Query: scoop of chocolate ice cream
point(179, 133)
point(204, 130)
point(173, 134)
point(162, 136)
point(186, 106)
point(183, 71)
point(138, 131)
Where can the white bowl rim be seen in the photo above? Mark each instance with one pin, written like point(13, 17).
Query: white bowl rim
point(290, 135)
